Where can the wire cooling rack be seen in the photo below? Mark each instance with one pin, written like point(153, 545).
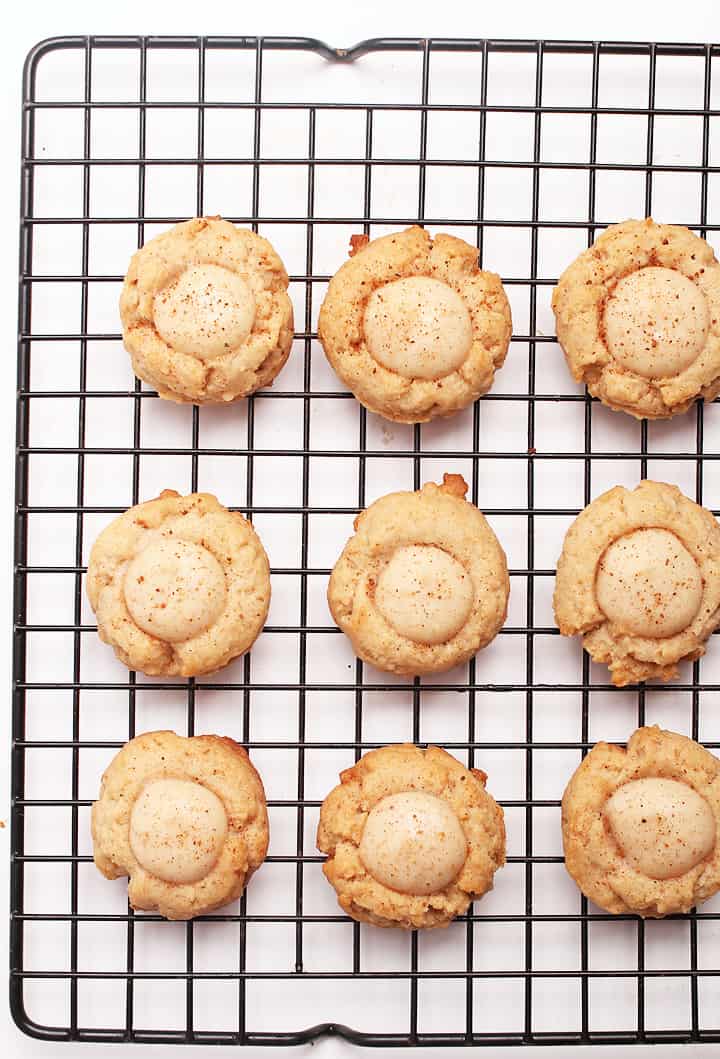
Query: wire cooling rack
point(528, 148)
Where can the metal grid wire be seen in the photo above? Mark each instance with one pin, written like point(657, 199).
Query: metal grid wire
point(497, 975)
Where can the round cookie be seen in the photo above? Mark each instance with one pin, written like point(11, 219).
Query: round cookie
point(411, 837)
point(638, 318)
point(423, 584)
point(639, 580)
point(640, 826)
point(179, 585)
point(413, 327)
point(184, 818)
point(205, 312)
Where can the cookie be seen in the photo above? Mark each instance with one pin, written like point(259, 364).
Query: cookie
point(411, 837)
point(640, 826)
point(638, 318)
point(423, 584)
point(639, 580)
point(205, 312)
point(184, 818)
point(413, 327)
point(179, 585)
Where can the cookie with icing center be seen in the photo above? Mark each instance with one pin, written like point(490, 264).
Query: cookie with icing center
point(179, 585)
point(411, 837)
point(205, 312)
point(184, 818)
point(423, 584)
point(413, 326)
point(638, 318)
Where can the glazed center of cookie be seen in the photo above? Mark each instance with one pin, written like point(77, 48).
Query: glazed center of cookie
point(418, 327)
point(174, 589)
point(424, 593)
point(413, 842)
point(177, 830)
point(656, 322)
point(206, 312)
point(648, 584)
point(663, 827)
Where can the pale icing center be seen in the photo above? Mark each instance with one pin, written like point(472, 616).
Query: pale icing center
point(424, 594)
point(663, 827)
point(418, 327)
point(174, 589)
point(177, 830)
point(206, 311)
point(656, 322)
point(413, 842)
point(648, 584)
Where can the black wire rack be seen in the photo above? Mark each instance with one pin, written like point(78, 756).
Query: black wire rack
point(496, 976)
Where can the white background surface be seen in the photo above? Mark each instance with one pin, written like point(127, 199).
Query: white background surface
point(338, 25)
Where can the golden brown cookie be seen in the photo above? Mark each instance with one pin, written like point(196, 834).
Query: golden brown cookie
point(423, 584)
point(411, 837)
point(413, 327)
point(639, 580)
point(185, 819)
point(205, 312)
point(180, 585)
point(638, 318)
point(640, 826)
